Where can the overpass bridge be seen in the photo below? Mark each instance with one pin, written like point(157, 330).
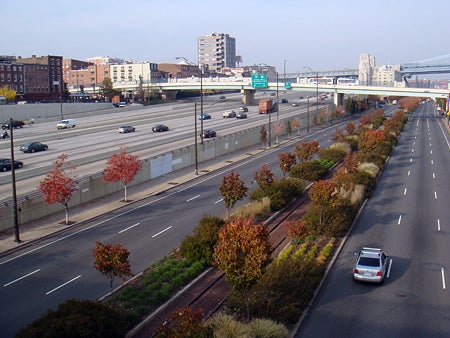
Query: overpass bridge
point(244, 85)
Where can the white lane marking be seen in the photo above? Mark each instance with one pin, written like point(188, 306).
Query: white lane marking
point(443, 277)
point(130, 227)
point(434, 176)
point(18, 279)
point(432, 162)
point(444, 133)
point(431, 151)
point(399, 219)
point(410, 160)
point(62, 285)
point(193, 198)
point(412, 150)
point(430, 144)
point(216, 202)
point(389, 268)
point(404, 192)
point(159, 233)
point(439, 224)
point(409, 172)
point(435, 195)
point(414, 143)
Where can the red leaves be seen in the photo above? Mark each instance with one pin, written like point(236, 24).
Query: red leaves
point(264, 177)
point(287, 161)
point(232, 189)
point(112, 260)
point(121, 167)
point(57, 186)
point(305, 150)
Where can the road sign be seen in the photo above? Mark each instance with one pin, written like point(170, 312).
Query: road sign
point(287, 85)
point(259, 80)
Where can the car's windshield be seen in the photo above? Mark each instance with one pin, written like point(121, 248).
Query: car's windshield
point(369, 261)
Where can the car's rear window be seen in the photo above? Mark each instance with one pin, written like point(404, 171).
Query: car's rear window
point(369, 261)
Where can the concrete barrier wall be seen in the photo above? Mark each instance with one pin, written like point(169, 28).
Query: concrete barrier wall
point(32, 205)
point(27, 112)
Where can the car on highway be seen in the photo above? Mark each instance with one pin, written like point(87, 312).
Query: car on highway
point(272, 94)
point(15, 124)
point(229, 114)
point(122, 104)
point(294, 104)
point(65, 124)
point(243, 109)
point(284, 101)
point(222, 97)
point(241, 115)
point(371, 265)
point(31, 147)
point(204, 116)
point(5, 164)
point(208, 133)
point(157, 128)
point(126, 129)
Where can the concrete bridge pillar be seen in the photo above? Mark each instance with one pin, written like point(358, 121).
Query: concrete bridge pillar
point(338, 99)
point(169, 95)
point(248, 96)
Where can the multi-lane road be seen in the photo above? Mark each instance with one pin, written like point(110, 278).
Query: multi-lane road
point(408, 217)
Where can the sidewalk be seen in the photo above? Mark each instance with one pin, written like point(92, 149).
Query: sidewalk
point(80, 214)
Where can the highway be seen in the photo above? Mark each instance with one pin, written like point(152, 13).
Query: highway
point(95, 137)
point(408, 217)
point(41, 276)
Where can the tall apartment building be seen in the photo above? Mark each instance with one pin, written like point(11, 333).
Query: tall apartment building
point(366, 68)
point(386, 76)
point(217, 50)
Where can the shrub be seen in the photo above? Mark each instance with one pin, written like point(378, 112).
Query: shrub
point(78, 318)
point(225, 326)
point(200, 244)
point(369, 168)
point(255, 210)
point(265, 328)
point(333, 154)
point(311, 171)
point(280, 192)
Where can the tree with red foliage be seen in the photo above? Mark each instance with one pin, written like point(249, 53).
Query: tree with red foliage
point(112, 261)
point(287, 161)
point(350, 128)
point(122, 167)
point(232, 190)
point(305, 151)
point(296, 125)
point(184, 323)
point(264, 177)
point(297, 229)
point(324, 196)
point(59, 185)
point(242, 253)
point(338, 135)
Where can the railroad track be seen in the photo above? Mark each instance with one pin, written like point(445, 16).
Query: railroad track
point(211, 291)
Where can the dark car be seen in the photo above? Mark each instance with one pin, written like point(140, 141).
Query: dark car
point(284, 101)
point(5, 164)
point(222, 97)
point(31, 147)
point(204, 116)
point(159, 128)
point(241, 115)
point(126, 129)
point(15, 124)
point(243, 109)
point(208, 133)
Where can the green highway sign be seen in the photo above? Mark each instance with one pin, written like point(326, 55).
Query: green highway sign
point(259, 80)
point(287, 85)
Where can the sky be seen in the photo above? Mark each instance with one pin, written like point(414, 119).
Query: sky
point(287, 34)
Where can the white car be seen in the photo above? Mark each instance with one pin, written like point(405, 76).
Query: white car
point(371, 265)
point(228, 114)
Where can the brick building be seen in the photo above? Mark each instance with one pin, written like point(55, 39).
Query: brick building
point(12, 75)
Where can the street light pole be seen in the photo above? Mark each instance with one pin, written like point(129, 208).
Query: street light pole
point(307, 114)
point(317, 90)
point(195, 139)
point(13, 181)
point(284, 69)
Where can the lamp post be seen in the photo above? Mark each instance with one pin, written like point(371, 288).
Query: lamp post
point(317, 91)
point(200, 72)
point(284, 70)
point(277, 105)
point(307, 113)
point(13, 182)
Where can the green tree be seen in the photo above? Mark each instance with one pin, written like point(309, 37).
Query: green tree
point(232, 190)
point(242, 253)
point(107, 89)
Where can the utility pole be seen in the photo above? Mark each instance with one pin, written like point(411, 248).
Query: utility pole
point(13, 182)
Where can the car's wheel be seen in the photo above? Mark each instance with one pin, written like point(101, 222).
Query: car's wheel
point(3, 169)
point(20, 165)
point(32, 150)
point(45, 148)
